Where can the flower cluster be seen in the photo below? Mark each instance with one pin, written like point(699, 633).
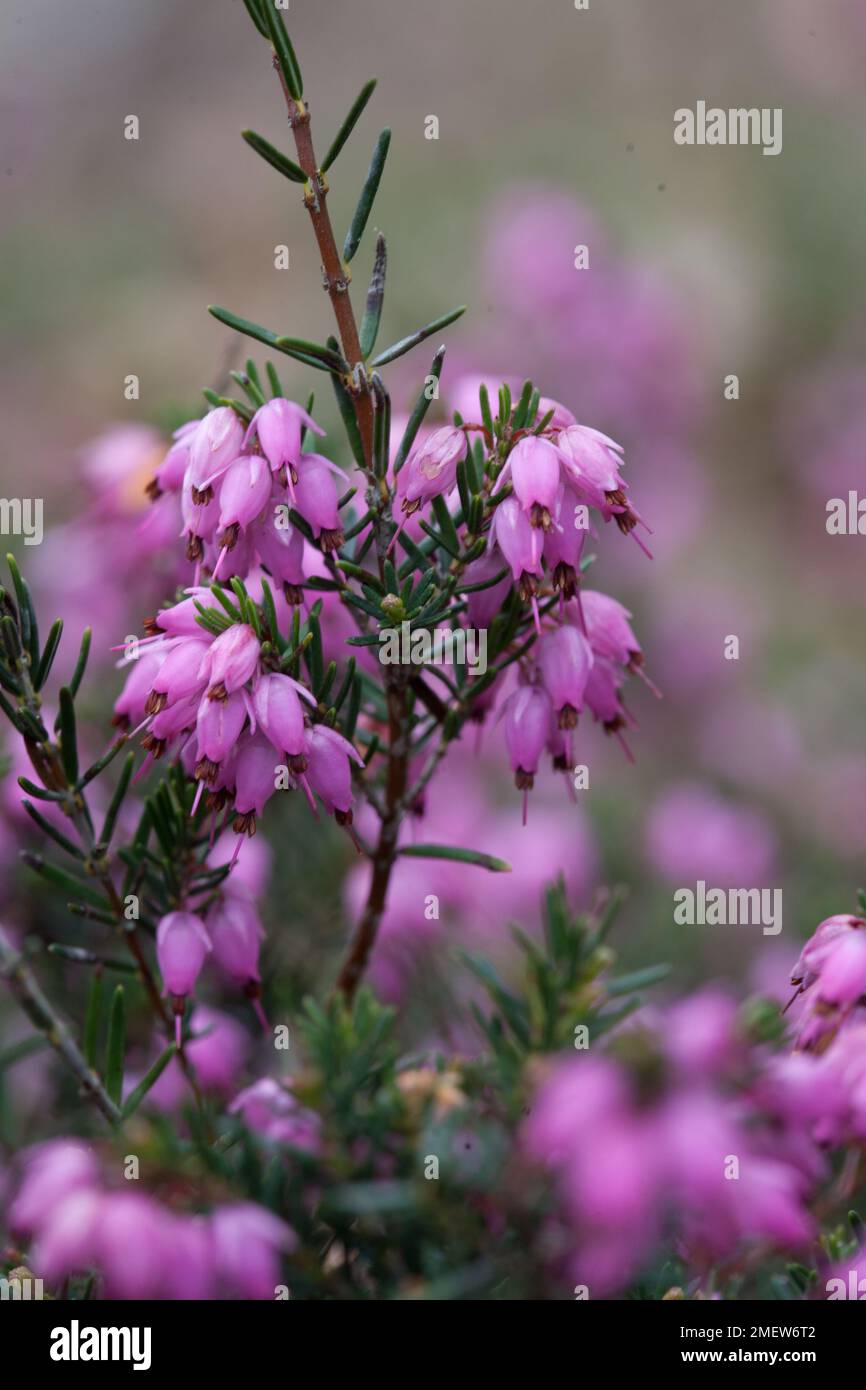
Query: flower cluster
point(237, 486)
point(211, 695)
point(654, 1143)
point(78, 1223)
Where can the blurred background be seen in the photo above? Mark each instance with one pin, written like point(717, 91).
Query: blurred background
point(555, 130)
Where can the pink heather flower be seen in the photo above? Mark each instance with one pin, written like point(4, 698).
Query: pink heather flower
point(181, 619)
point(535, 473)
point(280, 716)
point(236, 934)
point(133, 1245)
point(521, 545)
point(255, 783)
point(182, 943)
point(269, 1109)
point(280, 426)
point(562, 417)
point(214, 445)
point(328, 771)
point(820, 946)
point(200, 520)
point(66, 1241)
point(281, 550)
point(247, 1241)
point(231, 660)
point(528, 717)
point(179, 676)
point(565, 658)
point(52, 1172)
point(842, 977)
point(169, 722)
point(431, 468)
point(129, 707)
point(563, 545)
point(484, 604)
point(170, 473)
point(189, 1273)
point(218, 1056)
point(608, 629)
point(591, 463)
point(244, 490)
point(316, 499)
point(218, 728)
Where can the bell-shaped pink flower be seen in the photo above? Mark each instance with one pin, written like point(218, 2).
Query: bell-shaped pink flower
point(236, 934)
point(521, 545)
point(484, 604)
point(66, 1244)
point(528, 718)
point(179, 676)
point(431, 468)
point(280, 425)
point(316, 499)
point(278, 711)
point(134, 1245)
point(215, 444)
point(52, 1172)
point(218, 1046)
point(170, 721)
point(244, 490)
point(608, 629)
point(129, 707)
point(247, 1244)
point(563, 545)
point(182, 943)
point(231, 660)
point(328, 771)
point(255, 782)
point(281, 551)
point(170, 474)
point(535, 473)
point(565, 658)
point(218, 728)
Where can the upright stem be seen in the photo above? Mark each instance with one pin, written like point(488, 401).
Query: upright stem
point(336, 275)
point(336, 280)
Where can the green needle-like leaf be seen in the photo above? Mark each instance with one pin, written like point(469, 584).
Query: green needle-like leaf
point(254, 10)
point(26, 612)
point(81, 663)
point(458, 855)
point(281, 162)
point(368, 193)
point(416, 419)
point(68, 739)
point(375, 298)
point(43, 670)
point(349, 123)
point(117, 800)
point(406, 344)
point(283, 49)
point(116, 1046)
point(148, 1081)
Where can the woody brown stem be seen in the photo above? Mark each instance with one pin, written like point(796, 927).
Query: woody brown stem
point(336, 279)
